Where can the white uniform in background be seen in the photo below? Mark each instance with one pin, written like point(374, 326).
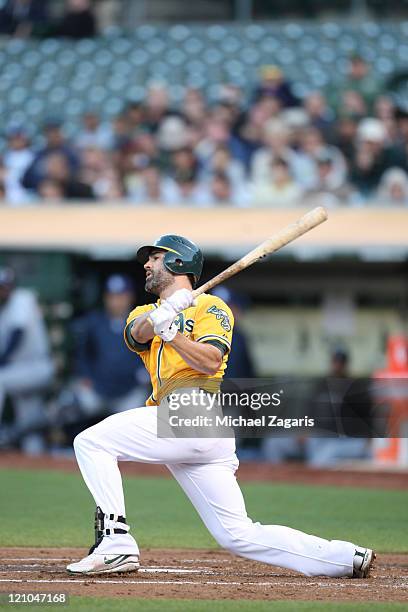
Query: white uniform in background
point(29, 368)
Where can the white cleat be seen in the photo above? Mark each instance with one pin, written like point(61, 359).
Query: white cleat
point(105, 564)
point(363, 562)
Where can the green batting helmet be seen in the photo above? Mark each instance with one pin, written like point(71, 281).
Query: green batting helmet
point(182, 256)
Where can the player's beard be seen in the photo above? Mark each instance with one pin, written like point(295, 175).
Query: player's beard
point(159, 281)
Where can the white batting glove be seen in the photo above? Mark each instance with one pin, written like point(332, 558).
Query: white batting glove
point(168, 334)
point(162, 317)
point(180, 300)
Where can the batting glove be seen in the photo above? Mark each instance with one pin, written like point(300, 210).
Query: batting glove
point(180, 300)
point(162, 317)
point(168, 334)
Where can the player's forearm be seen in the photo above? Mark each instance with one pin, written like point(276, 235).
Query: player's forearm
point(142, 330)
point(204, 358)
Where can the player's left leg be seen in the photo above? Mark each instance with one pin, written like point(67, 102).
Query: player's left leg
point(215, 493)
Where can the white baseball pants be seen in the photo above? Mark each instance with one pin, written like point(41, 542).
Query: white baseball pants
point(205, 469)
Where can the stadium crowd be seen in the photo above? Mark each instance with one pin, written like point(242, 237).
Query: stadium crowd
point(343, 147)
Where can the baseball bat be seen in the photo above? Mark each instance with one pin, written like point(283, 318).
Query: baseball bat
point(286, 235)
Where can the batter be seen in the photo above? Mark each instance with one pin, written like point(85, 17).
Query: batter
point(181, 340)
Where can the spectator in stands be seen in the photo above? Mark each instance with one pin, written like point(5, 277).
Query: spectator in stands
point(393, 188)
point(343, 407)
point(193, 107)
point(361, 80)
point(121, 136)
point(108, 378)
point(51, 190)
point(184, 188)
point(99, 175)
point(94, 133)
point(314, 148)
point(331, 187)
point(280, 191)
point(57, 169)
point(351, 104)
point(372, 157)
point(23, 18)
point(247, 135)
point(183, 161)
point(223, 191)
point(277, 135)
point(26, 368)
point(216, 134)
point(144, 184)
point(273, 83)
point(401, 116)
point(172, 135)
point(135, 115)
point(157, 106)
point(384, 109)
point(345, 137)
point(134, 156)
point(17, 158)
point(231, 94)
point(222, 162)
point(319, 114)
point(78, 21)
point(55, 142)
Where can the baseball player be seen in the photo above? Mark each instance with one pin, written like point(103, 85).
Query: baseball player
point(180, 340)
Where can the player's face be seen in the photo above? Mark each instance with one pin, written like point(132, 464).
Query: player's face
point(158, 278)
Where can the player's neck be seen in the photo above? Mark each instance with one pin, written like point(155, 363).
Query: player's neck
point(180, 283)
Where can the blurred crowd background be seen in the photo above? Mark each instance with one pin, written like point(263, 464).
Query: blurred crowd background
point(255, 115)
point(248, 104)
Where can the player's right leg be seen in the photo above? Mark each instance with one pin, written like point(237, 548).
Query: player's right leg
point(127, 436)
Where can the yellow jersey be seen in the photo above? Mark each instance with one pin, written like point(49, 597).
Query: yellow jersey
point(211, 320)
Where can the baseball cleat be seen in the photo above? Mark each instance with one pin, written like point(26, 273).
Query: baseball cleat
point(363, 562)
point(105, 564)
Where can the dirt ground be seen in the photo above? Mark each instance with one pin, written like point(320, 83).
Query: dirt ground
point(196, 574)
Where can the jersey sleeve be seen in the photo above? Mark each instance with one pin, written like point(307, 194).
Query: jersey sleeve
point(214, 322)
point(131, 343)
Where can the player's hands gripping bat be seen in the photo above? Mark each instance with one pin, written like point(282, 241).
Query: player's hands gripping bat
point(163, 317)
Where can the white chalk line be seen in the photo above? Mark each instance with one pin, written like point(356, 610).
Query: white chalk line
point(171, 570)
point(36, 559)
point(89, 580)
point(223, 561)
point(143, 570)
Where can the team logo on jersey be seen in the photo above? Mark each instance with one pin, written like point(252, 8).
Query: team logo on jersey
point(184, 324)
point(221, 316)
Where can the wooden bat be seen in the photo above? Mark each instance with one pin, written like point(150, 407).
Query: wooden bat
point(289, 233)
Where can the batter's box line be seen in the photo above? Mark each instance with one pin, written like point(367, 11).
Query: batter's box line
point(37, 559)
point(143, 570)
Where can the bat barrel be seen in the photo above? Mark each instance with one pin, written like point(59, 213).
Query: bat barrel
point(274, 243)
